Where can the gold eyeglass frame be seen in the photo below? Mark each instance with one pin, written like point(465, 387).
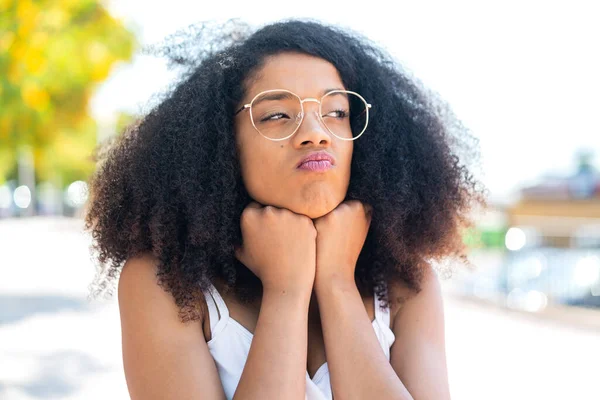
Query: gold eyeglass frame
point(249, 106)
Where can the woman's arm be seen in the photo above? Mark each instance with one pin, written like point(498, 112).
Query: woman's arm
point(358, 367)
point(276, 364)
point(357, 364)
point(279, 247)
point(419, 352)
point(162, 357)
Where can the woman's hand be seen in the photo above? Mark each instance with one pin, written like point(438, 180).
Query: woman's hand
point(279, 247)
point(341, 235)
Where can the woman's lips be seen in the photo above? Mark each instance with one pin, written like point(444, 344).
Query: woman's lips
point(317, 161)
point(316, 166)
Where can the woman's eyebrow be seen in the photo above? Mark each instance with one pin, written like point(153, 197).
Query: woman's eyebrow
point(281, 96)
point(330, 90)
point(274, 96)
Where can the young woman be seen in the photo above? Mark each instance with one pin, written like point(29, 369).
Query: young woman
point(275, 221)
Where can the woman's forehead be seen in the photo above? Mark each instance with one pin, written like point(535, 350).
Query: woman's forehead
point(305, 75)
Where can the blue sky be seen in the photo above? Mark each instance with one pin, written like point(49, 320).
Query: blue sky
point(522, 75)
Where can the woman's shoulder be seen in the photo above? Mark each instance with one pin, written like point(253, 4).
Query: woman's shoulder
point(402, 296)
point(399, 294)
point(139, 288)
point(139, 276)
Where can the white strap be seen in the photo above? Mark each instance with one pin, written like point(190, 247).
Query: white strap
point(217, 310)
point(221, 306)
point(213, 312)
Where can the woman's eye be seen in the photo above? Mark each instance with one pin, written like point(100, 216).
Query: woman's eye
point(274, 117)
point(337, 114)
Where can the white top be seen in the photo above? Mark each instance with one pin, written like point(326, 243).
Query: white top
point(230, 345)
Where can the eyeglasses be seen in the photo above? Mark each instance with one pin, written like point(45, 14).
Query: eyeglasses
point(277, 114)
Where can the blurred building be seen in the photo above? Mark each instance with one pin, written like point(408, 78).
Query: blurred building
point(553, 243)
point(561, 212)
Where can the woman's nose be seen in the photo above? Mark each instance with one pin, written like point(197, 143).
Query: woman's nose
point(312, 129)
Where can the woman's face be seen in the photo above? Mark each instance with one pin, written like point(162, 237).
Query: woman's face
point(270, 168)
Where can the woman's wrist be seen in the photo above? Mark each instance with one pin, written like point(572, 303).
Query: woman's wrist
point(295, 295)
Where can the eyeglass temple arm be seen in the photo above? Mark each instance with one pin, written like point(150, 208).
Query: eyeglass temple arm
point(246, 106)
point(365, 110)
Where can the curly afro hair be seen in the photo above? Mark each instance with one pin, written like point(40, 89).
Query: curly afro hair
point(171, 184)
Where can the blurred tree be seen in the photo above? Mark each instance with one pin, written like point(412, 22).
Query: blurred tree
point(53, 53)
point(485, 238)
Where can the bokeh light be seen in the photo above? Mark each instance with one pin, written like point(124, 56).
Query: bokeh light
point(515, 239)
point(77, 194)
point(22, 197)
point(587, 271)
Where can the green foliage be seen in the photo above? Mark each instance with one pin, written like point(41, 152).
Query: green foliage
point(53, 54)
point(484, 238)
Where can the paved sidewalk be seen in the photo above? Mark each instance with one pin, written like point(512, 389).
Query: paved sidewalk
point(54, 342)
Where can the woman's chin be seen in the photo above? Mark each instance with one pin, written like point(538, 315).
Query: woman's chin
point(314, 212)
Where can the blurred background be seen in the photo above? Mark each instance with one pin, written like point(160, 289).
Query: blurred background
point(522, 75)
